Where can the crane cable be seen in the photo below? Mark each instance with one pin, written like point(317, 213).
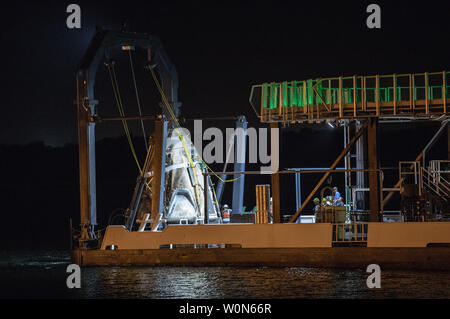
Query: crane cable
point(175, 120)
point(115, 86)
point(119, 103)
point(116, 91)
point(137, 99)
point(169, 108)
point(177, 124)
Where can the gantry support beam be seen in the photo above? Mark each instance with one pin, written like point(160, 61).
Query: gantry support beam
point(240, 144)
point(231, 151)
point(86, 156)
point(359, 150)
point(374, 181)
point(157, 171)
point(275, 179)
point(103, 41)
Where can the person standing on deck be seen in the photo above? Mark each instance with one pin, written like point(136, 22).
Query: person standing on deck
point(226, 214)
point(336, 194)
point(316, 210)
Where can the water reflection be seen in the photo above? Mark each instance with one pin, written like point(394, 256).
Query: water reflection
point(149, 282)
point(231, 282)
point(43, 275)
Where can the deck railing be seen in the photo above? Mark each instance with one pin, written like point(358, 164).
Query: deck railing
point(354, 96)
point(350, 233)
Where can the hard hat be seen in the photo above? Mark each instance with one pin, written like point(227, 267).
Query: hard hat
point(225, 206)
point(316, 200)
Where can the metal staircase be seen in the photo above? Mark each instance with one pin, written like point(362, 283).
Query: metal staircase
point(425, 191)
point(437, 185)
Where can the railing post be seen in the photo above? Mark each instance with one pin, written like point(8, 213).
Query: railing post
point(377, 94)
point(269, 109)
point(410, 92)
point(394, 79)
point(363, 93)
point(263, 101)
point(444, 91)
point(413, 93)
point(280, 99)
point(427, 111)
point(354, 95)
point(305, 101)
point(340, 97)
point(329, 96)
point(293, 92)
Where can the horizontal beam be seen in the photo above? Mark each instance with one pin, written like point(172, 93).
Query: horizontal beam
point(387, 189)
point(98, 119)
point(339, 170)
point(220, 118)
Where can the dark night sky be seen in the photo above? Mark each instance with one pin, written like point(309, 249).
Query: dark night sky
point(219, 48)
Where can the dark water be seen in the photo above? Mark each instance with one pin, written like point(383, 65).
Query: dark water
point(42, 274)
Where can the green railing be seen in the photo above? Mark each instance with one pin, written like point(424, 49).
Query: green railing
point(329, 92)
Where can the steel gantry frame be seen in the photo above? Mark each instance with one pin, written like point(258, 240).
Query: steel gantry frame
point(364, 100)
point(87, 116)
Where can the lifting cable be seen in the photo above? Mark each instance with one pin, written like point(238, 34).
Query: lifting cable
point(116, 91)
point(178, 125)
point(137, 99)
point(115, 86)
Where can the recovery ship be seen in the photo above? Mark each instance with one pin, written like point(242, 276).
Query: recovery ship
point(174, 217)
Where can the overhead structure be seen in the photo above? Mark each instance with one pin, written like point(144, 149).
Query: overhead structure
point(359, 102)
point(420, 95)
point(153, 174)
